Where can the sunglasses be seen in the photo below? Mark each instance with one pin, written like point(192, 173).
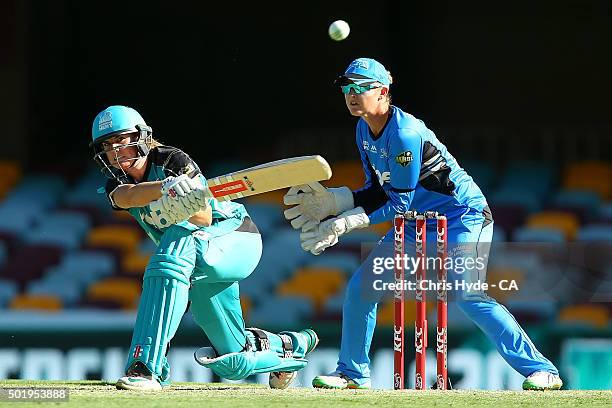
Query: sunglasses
point(358, 89)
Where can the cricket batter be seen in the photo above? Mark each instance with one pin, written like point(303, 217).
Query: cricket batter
point(406, 168)
point(204, 248)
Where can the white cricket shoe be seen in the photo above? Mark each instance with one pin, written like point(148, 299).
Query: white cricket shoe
point(340, 381)
point(542, 381)
point(138, 378)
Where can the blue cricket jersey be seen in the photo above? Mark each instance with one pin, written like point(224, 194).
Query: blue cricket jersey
point(408, 168)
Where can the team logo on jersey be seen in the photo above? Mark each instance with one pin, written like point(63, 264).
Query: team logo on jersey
point(404, 158)
point(366, 145)
point(373, 149)
point(383, 153)
point(106, 121)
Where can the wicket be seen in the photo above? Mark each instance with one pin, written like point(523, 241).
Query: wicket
point(420, 328)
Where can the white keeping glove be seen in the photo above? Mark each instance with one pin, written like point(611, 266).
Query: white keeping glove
point(330, 230)
point(315, 203)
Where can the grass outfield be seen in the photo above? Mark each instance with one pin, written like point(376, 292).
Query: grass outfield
point(102, 394)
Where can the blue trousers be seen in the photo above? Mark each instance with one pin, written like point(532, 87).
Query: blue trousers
point(360, 304)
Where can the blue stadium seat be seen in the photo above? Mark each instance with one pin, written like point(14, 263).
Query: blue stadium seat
point(3, 253)
point(532, 234)
point(343, 261)
point(266, 216)
point(585, 204)
point(66, 229)
point(605, 212)
point(603, 293)
point(282, 312)
point(578, 198)
point(44, 190)
point(17, 218)
point(76, 276)
point(515, 196)
point(595, 232)
point(56, 237)
point(89, 260)
point(333, 305)
point(68, 291)
point(66, 220)
point(536, 178)
point(482, 173)
point(499, 234)
point(8, 290)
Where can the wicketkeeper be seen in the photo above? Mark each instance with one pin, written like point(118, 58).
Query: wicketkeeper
point(204, 248)
point(406, 168)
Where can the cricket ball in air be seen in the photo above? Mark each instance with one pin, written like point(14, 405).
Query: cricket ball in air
point(339, 30)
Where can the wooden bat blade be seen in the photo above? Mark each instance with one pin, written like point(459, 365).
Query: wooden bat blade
point(271, 176)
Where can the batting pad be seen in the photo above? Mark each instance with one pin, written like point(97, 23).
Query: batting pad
point(162, 305)
point(236, 366)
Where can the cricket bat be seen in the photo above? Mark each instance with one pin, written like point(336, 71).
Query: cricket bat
point(271, 176)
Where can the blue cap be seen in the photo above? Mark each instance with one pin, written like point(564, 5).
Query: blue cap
point(364, 70)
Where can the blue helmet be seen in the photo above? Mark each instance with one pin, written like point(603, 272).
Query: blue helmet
point(113, 121)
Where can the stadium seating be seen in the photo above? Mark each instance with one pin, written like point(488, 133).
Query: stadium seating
point(124, 239)
point(590, 175)
point(61, 246)
point(538, 234)
point(316, 284)
point(582, 203)
point(595, 232)
point(134, 263)
point(482, 173)
point(124, 292)
point(29, 263)
point(588, 314)
point(8, 290)
point(294, 310)
point(36, 302)
point(533, 179)
point(562, 221)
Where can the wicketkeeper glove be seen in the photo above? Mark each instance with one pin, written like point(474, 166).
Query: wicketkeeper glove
point(328, 232)
point(315, 203)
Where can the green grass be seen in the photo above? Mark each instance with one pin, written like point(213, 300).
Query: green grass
point(104, 395)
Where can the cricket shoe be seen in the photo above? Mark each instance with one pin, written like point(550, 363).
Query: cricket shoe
point(339, 381)
point(138, 378)
point(283, 379)
point(542, 381)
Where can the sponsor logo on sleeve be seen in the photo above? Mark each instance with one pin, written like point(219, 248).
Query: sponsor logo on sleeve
point(404, 158)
